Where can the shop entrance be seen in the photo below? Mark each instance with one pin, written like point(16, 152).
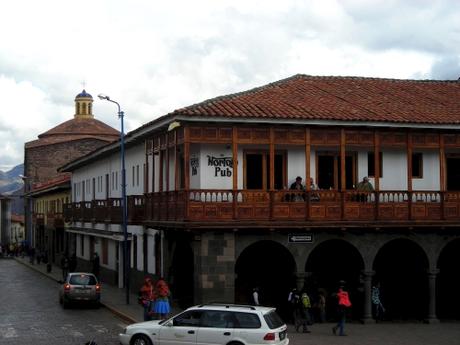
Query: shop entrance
point(448, 282)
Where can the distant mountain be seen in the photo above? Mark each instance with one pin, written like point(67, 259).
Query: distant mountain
point(10, 180)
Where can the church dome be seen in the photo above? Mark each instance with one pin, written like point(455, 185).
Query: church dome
point(84, 94)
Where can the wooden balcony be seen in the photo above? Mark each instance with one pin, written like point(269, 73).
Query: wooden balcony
point(38, 219)
point(313, 208)
point(55, 219)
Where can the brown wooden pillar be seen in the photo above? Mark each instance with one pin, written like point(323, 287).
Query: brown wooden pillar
point(167, 161)
point(442, 164)
point(272, 169)
point(187, 158)
point(307, 171)
point(343, 179)
point(160, 175)
point(153, 165)
point(146, 166)
point(442, 172)
point(376, 172)
point(186, 169)
point(409, 172)
point(235, 169)
point(176, 163)
point(376, 161)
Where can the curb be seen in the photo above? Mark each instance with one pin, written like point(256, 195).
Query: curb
point(113, 310)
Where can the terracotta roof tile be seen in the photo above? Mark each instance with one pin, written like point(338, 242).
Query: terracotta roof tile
point(340, 98)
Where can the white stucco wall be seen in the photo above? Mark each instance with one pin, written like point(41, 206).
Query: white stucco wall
point(135, 156)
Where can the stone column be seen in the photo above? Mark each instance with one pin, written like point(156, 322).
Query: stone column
point(367, 312)
point(300, 280)
point(432, 318)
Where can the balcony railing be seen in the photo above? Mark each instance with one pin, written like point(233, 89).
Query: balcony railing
point(287, 206)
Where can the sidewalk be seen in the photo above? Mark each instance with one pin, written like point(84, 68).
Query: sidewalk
point(112, 297)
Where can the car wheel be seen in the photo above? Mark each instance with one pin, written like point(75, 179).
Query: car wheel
point(65, 304)
point(141, 340)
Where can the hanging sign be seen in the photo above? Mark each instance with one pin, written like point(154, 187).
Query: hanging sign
point(300, 238)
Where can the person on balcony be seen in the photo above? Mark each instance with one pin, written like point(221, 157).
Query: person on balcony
point(313, 187)
point(299, 187)
point(366, 187)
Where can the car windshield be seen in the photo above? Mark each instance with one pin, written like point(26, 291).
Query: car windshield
point(82, 279)
point(273, 320)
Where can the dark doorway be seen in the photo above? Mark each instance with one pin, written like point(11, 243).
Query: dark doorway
point(448, 282)
point(326, 178)
point(453, 173)
point(254, 171)
point(328, 264)
point(181, 273)
point(257, 170)
point(270, 267)
point(330, 171)
point(401, 268)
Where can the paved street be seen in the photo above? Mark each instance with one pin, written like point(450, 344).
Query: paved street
point(30, 312)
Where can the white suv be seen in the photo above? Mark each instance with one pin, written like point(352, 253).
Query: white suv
point(214, 323)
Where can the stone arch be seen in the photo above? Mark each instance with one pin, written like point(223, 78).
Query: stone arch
point(269, 266)
point(401, 267)
point(448, 281)
point(331, 261)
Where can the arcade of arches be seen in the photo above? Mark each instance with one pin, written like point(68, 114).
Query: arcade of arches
point(418, 273)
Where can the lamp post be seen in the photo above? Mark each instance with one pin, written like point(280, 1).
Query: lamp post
point(123, 197)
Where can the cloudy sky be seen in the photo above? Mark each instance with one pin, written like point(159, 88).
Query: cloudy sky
point(156, 56)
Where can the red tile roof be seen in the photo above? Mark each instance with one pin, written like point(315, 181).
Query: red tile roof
point(63, 178)
point(307, 97)
point(76, 129)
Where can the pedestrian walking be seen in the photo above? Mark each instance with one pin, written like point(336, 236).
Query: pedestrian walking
point(293, 301)
point(343, 304)
point(255, 296)
point(96, 265)
point(321, 305)
point(161, 306)
point(146, 298)
point(377, 307)
point(302, 310)
point(65, 266)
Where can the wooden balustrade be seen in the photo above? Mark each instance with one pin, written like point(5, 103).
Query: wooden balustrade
point(285, 205)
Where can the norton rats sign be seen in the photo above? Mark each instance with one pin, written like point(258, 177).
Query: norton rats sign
point(223, 166)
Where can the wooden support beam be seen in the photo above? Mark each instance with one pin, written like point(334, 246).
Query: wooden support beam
point(343, 176)
point(272, 159)
point(376, 161)
point(235, 168)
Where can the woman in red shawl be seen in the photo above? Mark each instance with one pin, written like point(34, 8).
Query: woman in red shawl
point(147, 297)
point(161, 307)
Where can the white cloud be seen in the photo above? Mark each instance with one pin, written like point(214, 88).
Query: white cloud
point(154, 57)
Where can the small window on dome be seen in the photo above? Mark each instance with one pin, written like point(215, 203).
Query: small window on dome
point(84, 109)
point(89, 108)
point(78, 108)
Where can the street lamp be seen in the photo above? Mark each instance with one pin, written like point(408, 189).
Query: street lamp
point(123, 196)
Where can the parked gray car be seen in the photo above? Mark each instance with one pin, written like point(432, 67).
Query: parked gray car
point(80, 287)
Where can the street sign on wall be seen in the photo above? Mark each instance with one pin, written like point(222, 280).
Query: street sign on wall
point(300, 238)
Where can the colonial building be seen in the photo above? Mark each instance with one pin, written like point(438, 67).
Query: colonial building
point(5, 220)
point(216, 217)
point(17, 229)
point(57, 146)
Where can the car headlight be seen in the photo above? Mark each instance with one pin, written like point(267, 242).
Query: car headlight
point(124, 330)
